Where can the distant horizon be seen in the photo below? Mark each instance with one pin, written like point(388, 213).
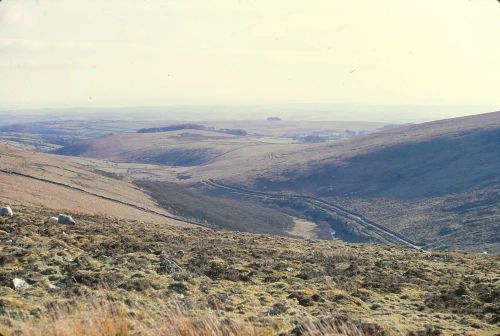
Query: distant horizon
point(342, 53)
point(379, 113)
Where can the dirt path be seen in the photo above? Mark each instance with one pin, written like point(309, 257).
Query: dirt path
point(389, 235)
point(137, 207)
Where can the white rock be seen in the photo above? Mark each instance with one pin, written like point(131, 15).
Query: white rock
point(53, 220)
point(20, 284)
point(7, 212)
point(65, 219)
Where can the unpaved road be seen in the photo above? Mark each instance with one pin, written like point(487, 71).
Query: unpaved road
point(387, 234)
point(107, 198)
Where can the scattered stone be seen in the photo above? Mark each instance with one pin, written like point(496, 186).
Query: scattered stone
point(69, 260)
point(51, 286)
point(168, 266)
point(6, 212)
point(65, 219)
point(20, 284)
point(179, 253)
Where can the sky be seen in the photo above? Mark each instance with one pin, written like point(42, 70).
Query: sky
point(439, 54)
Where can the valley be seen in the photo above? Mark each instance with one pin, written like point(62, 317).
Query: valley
point(378, 232)
point(341, 237)
point(416, 185)
point(249, 168)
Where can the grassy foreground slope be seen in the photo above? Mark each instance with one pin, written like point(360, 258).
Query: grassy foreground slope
point(277, 285)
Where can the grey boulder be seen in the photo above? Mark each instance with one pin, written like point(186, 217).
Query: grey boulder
point(7, 212)
point(65, 219)
point(20, 284)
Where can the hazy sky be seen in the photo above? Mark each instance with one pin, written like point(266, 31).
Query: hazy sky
point(61, 53)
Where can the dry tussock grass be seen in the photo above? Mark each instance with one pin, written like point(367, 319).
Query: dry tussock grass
point(227, 278)
point(112, 319)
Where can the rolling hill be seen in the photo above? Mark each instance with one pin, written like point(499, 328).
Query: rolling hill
point(437, 184)
point(59, 183)
point(176, 148)
point(137, 257)
point(74, 184)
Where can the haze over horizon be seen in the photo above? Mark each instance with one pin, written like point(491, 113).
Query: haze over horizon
point(383, 61)
point(396, 114)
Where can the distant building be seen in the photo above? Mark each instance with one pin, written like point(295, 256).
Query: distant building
point(273, 119)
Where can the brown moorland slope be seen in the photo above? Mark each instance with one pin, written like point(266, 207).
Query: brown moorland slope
point(73, 184)
point(61, 183)
point(278, 285)
point(435, 183)
point(177, 148)
point(276, 160)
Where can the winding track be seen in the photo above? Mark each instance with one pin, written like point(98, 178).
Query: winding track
point(68, 186)
point(387, 234)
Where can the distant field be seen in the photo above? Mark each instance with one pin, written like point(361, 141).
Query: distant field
point(176, 148)
point(51, 135)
